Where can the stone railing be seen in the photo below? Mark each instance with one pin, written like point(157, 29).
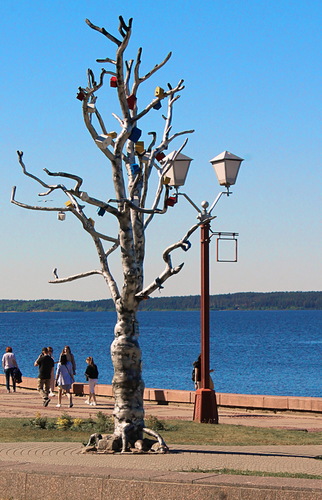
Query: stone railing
point(168, 396)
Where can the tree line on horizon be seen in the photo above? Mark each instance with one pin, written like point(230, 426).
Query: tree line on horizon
point(234, 301)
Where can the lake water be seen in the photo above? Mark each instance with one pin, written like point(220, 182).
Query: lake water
point(252, 352)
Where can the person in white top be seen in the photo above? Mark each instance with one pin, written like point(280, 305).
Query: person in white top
point(8, 364)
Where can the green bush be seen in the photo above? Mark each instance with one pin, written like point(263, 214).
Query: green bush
point(104, 423)
point(38, 422)
point(152, 422)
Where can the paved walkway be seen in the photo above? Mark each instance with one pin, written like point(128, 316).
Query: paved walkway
point(183, 461)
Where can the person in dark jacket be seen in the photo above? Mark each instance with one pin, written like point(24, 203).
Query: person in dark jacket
point(91, 375)
point(45, 364)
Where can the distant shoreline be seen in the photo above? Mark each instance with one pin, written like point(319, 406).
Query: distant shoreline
point(245, 301)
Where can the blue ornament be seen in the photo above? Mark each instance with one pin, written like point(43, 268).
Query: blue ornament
point(101, 211)
point(135, 134)
point(135, 169)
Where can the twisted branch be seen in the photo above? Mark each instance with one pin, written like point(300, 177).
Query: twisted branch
point(169, 269)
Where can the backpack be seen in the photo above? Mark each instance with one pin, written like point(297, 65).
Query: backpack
point(17, 375)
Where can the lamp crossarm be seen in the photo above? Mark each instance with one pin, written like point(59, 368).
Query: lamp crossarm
point(227, 193)
point(190, 201)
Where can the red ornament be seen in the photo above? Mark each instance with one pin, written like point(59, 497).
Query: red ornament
point(160, 156)
point(131, 100)
point(171, 201)
point(113, 81)
point(80, 96)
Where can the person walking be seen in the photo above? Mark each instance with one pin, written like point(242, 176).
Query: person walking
point(45, 364)
point(64, 379)
point(70, 357)
point(9, 363)
point(52, 375)
point(91, 375)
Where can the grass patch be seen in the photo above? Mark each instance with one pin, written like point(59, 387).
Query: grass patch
point(237, 435)
point(63, 428)
point(238, 472)
point(66, 428)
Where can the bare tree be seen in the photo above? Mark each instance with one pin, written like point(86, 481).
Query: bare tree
point(131, 166)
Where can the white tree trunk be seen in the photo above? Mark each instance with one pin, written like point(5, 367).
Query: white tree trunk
point(127, 382)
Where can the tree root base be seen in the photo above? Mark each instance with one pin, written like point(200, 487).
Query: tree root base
point(111, 444)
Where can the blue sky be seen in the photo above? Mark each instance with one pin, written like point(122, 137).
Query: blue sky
point(252, 72)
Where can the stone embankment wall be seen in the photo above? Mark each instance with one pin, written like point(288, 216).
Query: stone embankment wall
point(167, 396)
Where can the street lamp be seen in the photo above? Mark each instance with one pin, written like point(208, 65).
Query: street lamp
point(175, 168)
point(226, 166)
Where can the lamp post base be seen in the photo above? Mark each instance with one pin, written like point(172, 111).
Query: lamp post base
point(205, 409)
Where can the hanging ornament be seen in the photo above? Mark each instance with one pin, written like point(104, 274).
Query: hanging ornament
point(91, 107)
point(80, 95)
point(68, 203)
point(135, 134)
point(101, 211)
point(160, 156)
point(113, 135)
point(131, 101)
point(157, 105)
point(103, 141)
point(61, 216)
point(113, 81)
point(139, 147)
point(171, 201)
point(159, 92)
point(135, 169)
point(166, 180)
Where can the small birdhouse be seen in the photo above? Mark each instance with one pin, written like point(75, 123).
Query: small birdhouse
point(113, 135)
point(91, 107)
point(80, 95)
point(101, 211)
point(160, 156)
point(135, 169)
point(136, 201)
point(159, 92)
point(103, 141)
point(166, 180)
point(68, 203)
point(157, 105)
point(131, 100)
point(145, 158)
point(139, 147)
point(61, 216)
point(135, 134)
point(91, 221)
point(171, 201)
point(113, 81)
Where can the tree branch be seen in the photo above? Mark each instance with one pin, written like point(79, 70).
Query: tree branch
point(104, 32)
point(169, 270)
point(75, 277)
point(79, 180)
point(35, 207)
